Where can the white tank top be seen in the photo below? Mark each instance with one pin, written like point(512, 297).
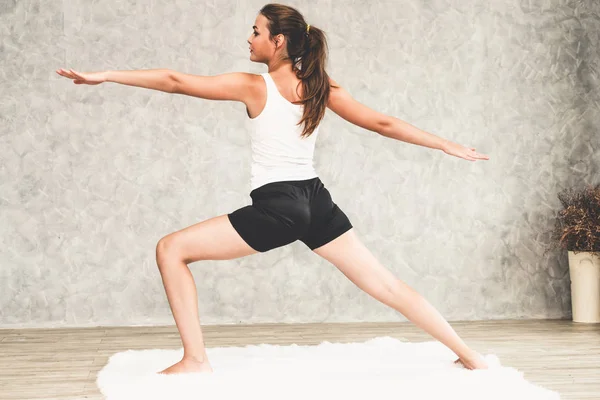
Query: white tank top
point(278, 151)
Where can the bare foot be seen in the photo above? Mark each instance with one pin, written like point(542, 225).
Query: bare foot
point(473, 361)
point(187, 365)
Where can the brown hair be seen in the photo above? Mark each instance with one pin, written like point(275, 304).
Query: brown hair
point(308, 52)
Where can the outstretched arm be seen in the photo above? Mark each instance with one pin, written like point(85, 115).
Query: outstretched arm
point(235, 86)
point(344, 105)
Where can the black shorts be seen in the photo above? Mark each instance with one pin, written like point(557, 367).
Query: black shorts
point(285, 211)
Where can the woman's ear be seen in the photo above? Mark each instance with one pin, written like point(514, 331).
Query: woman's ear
point(278, 39)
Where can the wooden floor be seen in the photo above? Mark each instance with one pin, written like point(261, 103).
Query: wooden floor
point(63, 363)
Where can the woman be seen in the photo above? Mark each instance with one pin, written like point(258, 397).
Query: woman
point(289, 201)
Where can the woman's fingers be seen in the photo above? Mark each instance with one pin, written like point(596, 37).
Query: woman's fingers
point(68, 74)
point(64, 73)
point(75, 75)
point(88, 78)
point(472, 153)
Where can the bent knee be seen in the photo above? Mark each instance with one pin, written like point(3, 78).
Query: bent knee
point(167, 248)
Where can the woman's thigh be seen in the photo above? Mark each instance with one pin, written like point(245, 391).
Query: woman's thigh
point(212, 239)
point(355, 260)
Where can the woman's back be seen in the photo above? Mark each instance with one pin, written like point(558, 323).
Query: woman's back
point(279, 153)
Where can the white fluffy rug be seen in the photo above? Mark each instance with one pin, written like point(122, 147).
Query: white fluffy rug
point(380, 368)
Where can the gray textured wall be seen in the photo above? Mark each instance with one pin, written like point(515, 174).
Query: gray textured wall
point(92, 177)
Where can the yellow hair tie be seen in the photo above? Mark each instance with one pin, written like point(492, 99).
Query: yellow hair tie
point(307, 28)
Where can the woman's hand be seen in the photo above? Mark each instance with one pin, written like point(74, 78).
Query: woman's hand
point(89, 78)
point(468, 153)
